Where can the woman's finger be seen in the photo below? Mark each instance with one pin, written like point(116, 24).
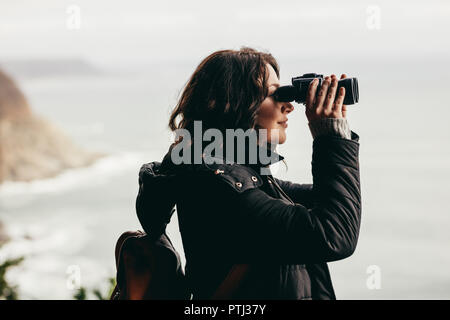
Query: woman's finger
point(344, 111)
point(322, 94)
point(329, 100)
point(311, 94)
point(344, 107)
point(337, 108)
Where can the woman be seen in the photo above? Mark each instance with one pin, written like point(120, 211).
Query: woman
point(279, 234)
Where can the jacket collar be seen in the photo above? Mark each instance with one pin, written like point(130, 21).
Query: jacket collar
point(256, 156)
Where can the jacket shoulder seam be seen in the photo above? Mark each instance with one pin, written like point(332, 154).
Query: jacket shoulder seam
point(237, 176)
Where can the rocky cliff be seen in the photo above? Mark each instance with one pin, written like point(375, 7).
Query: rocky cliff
point(30, 146)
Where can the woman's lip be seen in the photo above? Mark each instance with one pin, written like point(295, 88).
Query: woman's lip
point(284, 123)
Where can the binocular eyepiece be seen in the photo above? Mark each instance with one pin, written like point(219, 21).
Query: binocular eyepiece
point(299, 88)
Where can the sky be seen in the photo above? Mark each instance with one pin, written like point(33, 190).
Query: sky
point(118, 33)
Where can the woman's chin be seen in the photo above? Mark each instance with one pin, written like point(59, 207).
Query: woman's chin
point(277, 136)
point(279, 139)
point(282, 136)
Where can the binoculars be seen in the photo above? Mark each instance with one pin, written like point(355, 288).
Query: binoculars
point(299, 88)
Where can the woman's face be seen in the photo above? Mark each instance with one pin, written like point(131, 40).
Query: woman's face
point(272, 114)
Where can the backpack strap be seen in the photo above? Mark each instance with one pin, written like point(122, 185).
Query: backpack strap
point(231, 283)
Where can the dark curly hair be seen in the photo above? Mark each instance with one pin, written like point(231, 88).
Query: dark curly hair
point(225, 91)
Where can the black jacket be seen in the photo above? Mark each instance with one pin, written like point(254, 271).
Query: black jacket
point(286, 232)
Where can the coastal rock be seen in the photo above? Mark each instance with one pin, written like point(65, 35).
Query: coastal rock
point(30, 146)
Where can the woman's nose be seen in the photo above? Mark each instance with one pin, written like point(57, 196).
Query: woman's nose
point(287, 107)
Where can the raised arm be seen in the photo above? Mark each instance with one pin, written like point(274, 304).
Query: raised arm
point(299, 193)
point(303, 193)
point(271, 229)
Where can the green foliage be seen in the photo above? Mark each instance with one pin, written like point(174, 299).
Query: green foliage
point(82, 293)
point(8, 291)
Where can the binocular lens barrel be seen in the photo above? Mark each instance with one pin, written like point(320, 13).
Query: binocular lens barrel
point(298, 90)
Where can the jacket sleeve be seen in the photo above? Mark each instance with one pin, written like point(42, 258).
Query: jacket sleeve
point(291, 233)
point(303, 193)
point(299, 193)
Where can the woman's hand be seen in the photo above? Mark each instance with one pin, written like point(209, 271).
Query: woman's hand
point(325, 105)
